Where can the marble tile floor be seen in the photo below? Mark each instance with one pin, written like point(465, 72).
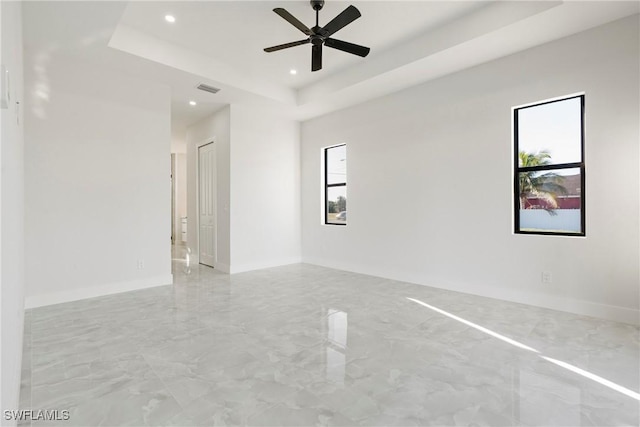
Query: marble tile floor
point(304, 345)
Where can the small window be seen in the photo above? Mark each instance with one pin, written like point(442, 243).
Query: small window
point(549, 167)
point(335, 185)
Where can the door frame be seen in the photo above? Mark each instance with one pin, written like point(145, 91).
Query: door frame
point(199, 145)
point(173, 199)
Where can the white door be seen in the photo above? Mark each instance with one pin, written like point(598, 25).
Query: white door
point(207, 202)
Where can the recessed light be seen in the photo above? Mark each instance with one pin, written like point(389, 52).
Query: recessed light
point(170, 18)
point(192, 103)
point(293, 72)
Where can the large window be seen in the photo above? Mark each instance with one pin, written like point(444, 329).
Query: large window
point(335, 185)
point(549, 167)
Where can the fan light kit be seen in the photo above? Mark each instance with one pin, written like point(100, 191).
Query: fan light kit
point(319, 36)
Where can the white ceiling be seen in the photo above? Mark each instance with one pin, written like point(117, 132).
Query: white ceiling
point(236, 33)
point(221, 42)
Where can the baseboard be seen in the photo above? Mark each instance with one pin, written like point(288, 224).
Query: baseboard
point(222, 267)
point(96, 291)
point(575, 306)
point(241, 268)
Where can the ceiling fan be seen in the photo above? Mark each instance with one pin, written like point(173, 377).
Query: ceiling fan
point(321, 35)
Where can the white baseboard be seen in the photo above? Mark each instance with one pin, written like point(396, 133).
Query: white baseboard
point(222, 267)
point(241, 268)
point(96, 291)
point(575, 306)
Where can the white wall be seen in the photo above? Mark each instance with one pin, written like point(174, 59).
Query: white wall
point(265, 189)
point(568, 220)
point(178, 138)
point(258, 175)
point(11, 211)
point(180, 194)
point(97, 173)
point(420, 159)
point(214, 128)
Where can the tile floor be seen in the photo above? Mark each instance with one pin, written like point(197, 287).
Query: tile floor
point(304, 345)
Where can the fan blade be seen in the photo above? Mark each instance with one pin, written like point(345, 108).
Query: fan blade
point(316, 57)
point(292, 20)
point(347, 16)
point(354, 49)
point(286, 45)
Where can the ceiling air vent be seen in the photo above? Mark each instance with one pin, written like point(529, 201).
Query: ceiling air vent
point(208, 88)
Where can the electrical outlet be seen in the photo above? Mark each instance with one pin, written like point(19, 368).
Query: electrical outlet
point(547, 277)
point(140, 264)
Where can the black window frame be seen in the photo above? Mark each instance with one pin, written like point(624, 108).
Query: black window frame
point(327, 185)
point(517, 170)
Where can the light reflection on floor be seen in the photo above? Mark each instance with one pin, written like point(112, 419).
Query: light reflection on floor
point(568, 366)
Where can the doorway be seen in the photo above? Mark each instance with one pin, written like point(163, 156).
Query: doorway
point(173, 198)
point(207, 204)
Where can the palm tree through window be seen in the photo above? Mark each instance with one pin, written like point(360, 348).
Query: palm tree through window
point(549, 170)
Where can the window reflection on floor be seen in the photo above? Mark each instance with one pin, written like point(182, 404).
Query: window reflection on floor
point(336, 350)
